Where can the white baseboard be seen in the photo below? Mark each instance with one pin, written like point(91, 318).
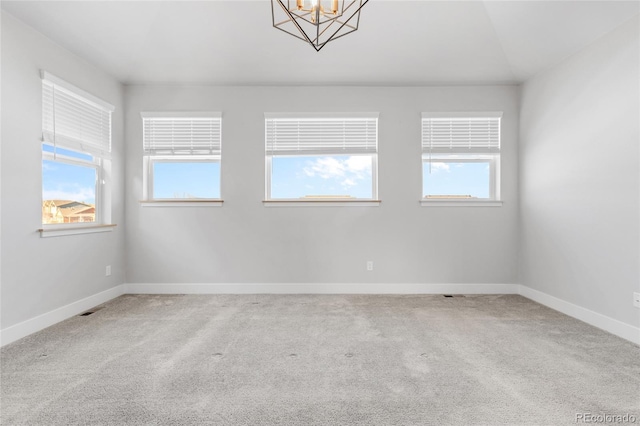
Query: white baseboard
point(320, 288)
point(595, 319)
point(25, 328)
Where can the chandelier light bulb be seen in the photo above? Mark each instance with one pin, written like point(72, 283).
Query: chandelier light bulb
point(317, 21)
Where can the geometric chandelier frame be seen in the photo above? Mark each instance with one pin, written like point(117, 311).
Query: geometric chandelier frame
point(317, 22)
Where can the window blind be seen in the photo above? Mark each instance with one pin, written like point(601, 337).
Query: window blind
point(190, 134)
point(74, 119)
point(320, 135)
point(456, 133)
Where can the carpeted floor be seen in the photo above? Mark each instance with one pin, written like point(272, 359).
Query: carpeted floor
point(318, 360)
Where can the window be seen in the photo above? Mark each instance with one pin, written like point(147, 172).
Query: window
point(182, 156)
point(460, 157)
point(76, 133)
point(324, 157)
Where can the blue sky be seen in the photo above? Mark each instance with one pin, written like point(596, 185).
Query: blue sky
point(186, 180)
point(292, 177)
point(447, 178)
point(62, 181)
point(295, 177)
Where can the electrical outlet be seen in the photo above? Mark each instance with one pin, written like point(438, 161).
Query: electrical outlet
point(107, 271)
point(369, 265)
point(636, 300)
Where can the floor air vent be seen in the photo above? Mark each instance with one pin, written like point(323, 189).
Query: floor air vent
point(87, 313)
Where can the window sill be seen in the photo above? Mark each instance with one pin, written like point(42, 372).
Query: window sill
point(460, 203)
point(74, 230)
point(321, 203)
point(181, 203)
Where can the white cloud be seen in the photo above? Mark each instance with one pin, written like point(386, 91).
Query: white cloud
point(326, 168)
point(346, 172)
point(359, 163)
point(348, 182)
point(86, 195)
point(436, 167)
point(48, 167)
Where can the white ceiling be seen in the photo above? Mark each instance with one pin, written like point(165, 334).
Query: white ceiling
point(398, 43)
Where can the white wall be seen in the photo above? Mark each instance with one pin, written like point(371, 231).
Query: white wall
point(40, 275)
point(579, 173)
point(245, 242)
point(574, 199)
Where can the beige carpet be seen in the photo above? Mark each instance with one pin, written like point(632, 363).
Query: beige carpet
point(318, 360)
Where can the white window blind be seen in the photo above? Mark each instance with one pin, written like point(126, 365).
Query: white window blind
point(348, 134)
point(182, 134)
point(461, 133)
point(73, 118)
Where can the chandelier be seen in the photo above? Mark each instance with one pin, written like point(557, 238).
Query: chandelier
point(317, 22)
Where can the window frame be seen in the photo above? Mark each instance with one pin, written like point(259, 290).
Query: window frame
point(96, 163)
point(374, 178)
point(492, 160)
point(492, 156)
point(149, 158)
point(328, 200)
point(100, 152)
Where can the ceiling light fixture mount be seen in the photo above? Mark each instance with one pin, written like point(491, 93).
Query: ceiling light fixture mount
point(317, 22)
